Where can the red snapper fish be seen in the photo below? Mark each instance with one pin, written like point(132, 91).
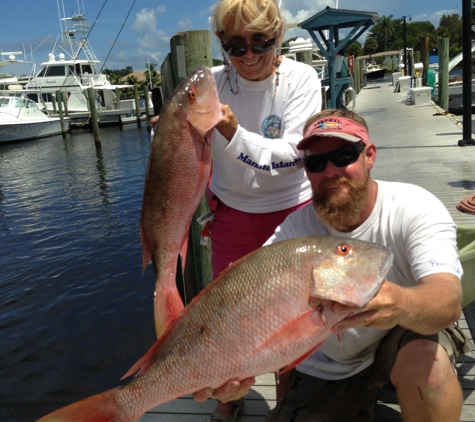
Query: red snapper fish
point(178, 170)
point(267, 311)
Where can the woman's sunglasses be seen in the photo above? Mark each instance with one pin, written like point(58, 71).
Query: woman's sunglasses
point(341, 157)
point(238, 49)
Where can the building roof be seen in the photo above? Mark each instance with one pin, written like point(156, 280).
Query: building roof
point(381, 54)
point(139, 74)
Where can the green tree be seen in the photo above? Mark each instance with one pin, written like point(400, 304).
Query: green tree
point(385, 28)
point(370, 46)
point(355, 49)
point(152, 74)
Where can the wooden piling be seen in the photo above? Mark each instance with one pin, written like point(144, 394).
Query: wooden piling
point(60, 112)
point(147, 107)
point(53, 102)
point(443, 84)
point(358, 73)
point(410, 64)
point(425, 59)
point(117, 98)
point(64, 98)
point(94, 119)
point(137, 106)
point(304, 57)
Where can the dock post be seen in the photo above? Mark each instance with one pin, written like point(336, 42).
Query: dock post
point(304, 57)
point(64, 98)
point(444, 73)
point(188, 50)
point(137, 108)
point(60, 112)
point(53, 102)
point(356, 78)
point(410, 64)
point(117, 98)
point(94, 121)
point(425, 59)
point(147, 107)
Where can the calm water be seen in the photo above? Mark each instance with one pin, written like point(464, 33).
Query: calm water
point(75, 310)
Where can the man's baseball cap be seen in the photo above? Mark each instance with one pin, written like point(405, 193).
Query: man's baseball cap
point(335, 127)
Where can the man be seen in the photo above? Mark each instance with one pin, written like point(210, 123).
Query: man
point(406, 334)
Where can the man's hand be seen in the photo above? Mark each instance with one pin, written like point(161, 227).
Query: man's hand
point(228, 126)
point(232, 390)
point(382, 312)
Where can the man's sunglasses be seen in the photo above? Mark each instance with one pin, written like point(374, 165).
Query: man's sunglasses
point(239, 49)
point(341, 157)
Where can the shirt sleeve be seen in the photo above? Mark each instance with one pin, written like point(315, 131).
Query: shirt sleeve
point(280, 156)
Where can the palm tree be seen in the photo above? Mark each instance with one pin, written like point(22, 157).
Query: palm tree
point(386, 28)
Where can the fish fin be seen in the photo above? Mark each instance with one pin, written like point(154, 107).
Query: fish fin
point(300, 359)
point(299, 327)
point(144, 363)
point(168, 305)
point(146, 246)
point(98, 408)
point(183, 250)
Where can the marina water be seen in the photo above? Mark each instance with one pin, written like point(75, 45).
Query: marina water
point(76, 312)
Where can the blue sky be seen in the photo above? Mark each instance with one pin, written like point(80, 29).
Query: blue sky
point(34, 24)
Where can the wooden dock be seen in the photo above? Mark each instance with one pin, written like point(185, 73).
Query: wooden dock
point(416, 144)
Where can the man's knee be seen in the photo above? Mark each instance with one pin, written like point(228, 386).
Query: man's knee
point(422, 361)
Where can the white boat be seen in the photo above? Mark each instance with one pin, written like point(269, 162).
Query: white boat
point(21, 119)
point(69, 73)
point(373, 71)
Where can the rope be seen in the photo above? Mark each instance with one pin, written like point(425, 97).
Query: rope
point(467, 204)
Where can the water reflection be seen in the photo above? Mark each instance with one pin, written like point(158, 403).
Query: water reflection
point(75, 310)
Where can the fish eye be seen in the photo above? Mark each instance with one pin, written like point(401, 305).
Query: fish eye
point(343, 249)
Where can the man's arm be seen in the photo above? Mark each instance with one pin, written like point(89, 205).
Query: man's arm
point(432, 305)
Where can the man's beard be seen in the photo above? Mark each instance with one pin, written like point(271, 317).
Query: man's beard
point(341, 212)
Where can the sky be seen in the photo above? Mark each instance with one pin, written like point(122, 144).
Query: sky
point(129, 33)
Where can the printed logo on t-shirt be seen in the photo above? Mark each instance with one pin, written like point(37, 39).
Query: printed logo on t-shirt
point(271, 126)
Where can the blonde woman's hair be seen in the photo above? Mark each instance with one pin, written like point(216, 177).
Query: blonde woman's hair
point(259, 15)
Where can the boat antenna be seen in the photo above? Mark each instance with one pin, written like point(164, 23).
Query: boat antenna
point(113, 44)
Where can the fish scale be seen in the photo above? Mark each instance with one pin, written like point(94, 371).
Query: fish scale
point(257, 317)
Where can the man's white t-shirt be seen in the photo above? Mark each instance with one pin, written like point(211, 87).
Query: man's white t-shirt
point(422, 236)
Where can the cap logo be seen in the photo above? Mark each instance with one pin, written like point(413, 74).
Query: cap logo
point(326, 125)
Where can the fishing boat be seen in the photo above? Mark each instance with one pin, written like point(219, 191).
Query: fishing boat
point(373, 71)
point(74, 69)
point(21, 119)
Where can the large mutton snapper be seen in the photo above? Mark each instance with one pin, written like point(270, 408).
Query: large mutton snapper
point(267, 311)
point(178, 171)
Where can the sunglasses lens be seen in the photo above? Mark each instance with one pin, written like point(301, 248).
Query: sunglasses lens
point(345, 156)
point(238, 50)
point(235, 50)
point(315, 163)
point(262, 47)
point(342, 157)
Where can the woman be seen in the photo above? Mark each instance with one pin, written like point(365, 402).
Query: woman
point(258, 176)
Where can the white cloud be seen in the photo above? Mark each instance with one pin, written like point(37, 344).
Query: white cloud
point(185, 25)
point(146, 22)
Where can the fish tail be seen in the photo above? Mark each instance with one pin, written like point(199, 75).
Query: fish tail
point(168, 305)
point(98, 408)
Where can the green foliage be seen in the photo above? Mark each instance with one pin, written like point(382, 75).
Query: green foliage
point(119, 73)
point(355, 49)
point(370, 46)
point(217, 62)
point(152, 74)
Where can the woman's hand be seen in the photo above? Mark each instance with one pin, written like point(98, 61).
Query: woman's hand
point(228, 126)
